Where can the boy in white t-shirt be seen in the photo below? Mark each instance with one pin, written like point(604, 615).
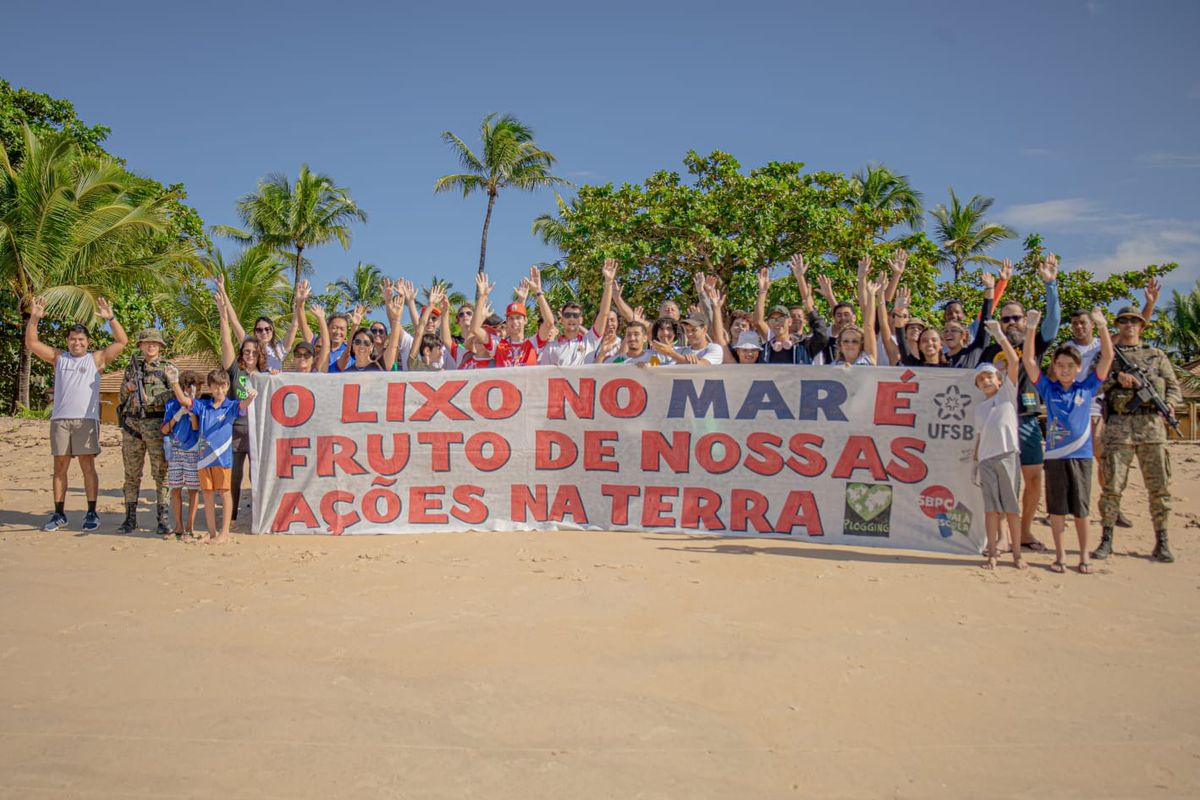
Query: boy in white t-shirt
point(997, 449)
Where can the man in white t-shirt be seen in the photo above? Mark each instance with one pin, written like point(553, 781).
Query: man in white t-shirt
point(75, 417)
point(698, 350)
point(575, 346)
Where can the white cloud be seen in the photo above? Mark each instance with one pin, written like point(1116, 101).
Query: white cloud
point(1050, 214)
point(1172, 160)
point(1149, 241)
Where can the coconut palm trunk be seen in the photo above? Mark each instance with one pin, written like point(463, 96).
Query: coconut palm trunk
point(299, 264)
point(24, 365)
point(487, 221)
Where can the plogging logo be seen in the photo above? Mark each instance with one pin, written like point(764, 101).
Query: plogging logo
point(868, 510)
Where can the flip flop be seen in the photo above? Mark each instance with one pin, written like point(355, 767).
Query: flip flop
point(1058, 567)
point(1085, 569)
point(1034, 546)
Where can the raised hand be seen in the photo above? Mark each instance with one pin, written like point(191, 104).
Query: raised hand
point(356, 316)
point(522, 291)
point(37, 308)
point(1048, 269)
point(1006, 269)
point(764, 280)
point(437, 295)
point(172, 373)
point(103, 309)
point(864, 266)
point(988, 280)
point(406, 289)
point(609, 270)
point(1032, 319)
point(899, 261)
point(698, 282)
point(825, 287)
point(535, 280)
point(639, 315)
point(387, 288)
point(318, 311)
point(874, 285)
point(483, 287)
point(799, 268)
point(303, 292)
point(393, 307)
point(1153, 290)
point(1098, 318)
point(992, 326)
point(903, 298)
point(696, 311)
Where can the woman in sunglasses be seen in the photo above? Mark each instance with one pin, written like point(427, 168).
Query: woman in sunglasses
point(274, 349)
point(361, 356)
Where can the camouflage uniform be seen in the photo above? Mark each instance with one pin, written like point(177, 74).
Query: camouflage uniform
point(1142, 432)
point(142, 435)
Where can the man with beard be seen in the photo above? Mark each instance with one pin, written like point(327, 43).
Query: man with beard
point(575, 346)
point(633, 349)
point(1012, 322)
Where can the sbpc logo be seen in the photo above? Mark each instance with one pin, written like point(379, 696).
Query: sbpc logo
point(868, 510)
point(952, 411)
point(938, 503)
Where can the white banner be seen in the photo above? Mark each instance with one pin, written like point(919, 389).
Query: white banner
point(875, 456)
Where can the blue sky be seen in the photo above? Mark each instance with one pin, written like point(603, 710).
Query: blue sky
point(1081, 118)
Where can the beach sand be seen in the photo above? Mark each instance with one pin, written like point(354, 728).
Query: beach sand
point(581, 665)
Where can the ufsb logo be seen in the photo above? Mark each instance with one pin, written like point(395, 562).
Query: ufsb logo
point(952, 411)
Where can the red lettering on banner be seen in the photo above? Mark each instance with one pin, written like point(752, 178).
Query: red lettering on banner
point(387, 465)
point(423, 502)
point(800, 509)
point(610, 392)
point(523, 501)
point(907, 467)
point(598, 455)
point(286, 459)
point(889, 403)
point(544, 444)
point(700, 507)
point(655, 450)
point(350, 411)
point(304, 407)
point(394, 412)
point(704, 453)
point(763, 460)
point(500, 451)
point(808, 461)
point(656, 508)
point(337, 523)
point(337, 452)
point(439, 442)
point(748, 508)
point(510, 399)
point(438, 401)
point(293, 508)
point(470, 507)
point(860, 453)
point(391, 505)
point(620, 501)
point(567, 503)
point(560, 393)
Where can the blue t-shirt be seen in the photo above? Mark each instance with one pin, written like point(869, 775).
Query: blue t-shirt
point(1068, 416)
point(183, 435)
point(335, 353)
point(216, 432)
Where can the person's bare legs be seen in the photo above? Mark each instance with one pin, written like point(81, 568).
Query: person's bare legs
point(1031, 493)
point(177, 509)
point(1081, 530)
point(91, 481)
point(1014, 538)
point(62, 464)
point(991, 523)
point(210, 513)
point(193, 505)
point(1057, 523)
point(226, 517)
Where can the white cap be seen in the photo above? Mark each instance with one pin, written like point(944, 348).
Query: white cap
point(748, 340)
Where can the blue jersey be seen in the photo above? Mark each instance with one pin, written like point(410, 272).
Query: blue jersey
point(1068, 416)
point(216, 432)
point(183, 435)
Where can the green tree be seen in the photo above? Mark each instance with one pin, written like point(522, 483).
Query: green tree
point(362, 288)
point(1180, 324)
point(878, 188)
point(964, 235)
point(510, 158)
point(44, 114)
point(72, 227)
point(290, 218)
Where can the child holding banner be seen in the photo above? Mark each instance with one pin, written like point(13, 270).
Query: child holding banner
point(998, 465)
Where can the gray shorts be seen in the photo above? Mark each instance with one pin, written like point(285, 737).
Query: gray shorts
point(1000, 479)
point(74, 437)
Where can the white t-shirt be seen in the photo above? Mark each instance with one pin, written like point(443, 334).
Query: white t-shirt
point(712, 353)
point(643, 358)
point(76, 387)
point(566, 352)
point(996, 422)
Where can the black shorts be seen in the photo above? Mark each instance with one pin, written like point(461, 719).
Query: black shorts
point(1068, 486)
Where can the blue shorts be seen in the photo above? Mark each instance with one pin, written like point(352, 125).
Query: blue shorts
point(1033, 451)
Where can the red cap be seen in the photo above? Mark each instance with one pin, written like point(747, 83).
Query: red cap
point(434, 312)
point(516, 308)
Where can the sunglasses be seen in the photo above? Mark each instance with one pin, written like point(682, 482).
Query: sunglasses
point(571, 315)
point(303, 354)
point(1128, 321)
point(378, 332)
point(363, 342)
point(263, 329)
point(1012, 318)
point(466, 313)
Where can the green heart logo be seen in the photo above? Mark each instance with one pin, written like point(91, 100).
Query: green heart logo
point(868, 500)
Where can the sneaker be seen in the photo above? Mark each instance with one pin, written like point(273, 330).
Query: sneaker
point(91, 521)
point(55, 522)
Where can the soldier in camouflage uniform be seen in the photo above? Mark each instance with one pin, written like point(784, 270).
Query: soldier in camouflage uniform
point(1139, 431)
point(144, 394)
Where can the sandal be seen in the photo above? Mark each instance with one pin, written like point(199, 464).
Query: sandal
point(1085, 568)
point(1058, 567)
point(1035, 546)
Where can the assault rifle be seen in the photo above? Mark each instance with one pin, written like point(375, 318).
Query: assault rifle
point(134, 405)
point(1146, 394)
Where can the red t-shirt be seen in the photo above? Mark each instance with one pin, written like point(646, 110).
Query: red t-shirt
point(507, 354)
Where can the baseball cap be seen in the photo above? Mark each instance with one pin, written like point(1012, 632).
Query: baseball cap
point(982, 368)
point(1130, 311)
point(433, 312)
point(696, 319)
point(517, 309)
point(777, 311)
point(748, 340)
point(303, 346)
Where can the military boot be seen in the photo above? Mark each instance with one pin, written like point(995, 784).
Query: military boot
point(1105, 549)
point(163, 528)
point(130, 523)
point(1162, 549)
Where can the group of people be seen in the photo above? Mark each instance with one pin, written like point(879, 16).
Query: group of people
point(193, 429)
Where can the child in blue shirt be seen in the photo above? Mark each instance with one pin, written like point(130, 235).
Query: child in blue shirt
point(1068, 464)
point(181, 444)
point(215, 456)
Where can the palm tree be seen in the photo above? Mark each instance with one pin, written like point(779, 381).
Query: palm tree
point(290, 218)
point(510, 158)
point(964, 235)
point(1182, 323)
point(256, 283)
point(73, 227)
point(879, 188)
point(362, 288)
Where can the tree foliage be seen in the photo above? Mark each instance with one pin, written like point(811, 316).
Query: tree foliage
point(361, 288)
point(1179, 324)
point(964, 235)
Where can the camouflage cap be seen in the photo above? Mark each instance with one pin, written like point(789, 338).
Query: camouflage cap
point(1130, 312)
point(151, 335)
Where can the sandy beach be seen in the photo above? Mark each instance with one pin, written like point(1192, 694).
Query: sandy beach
point(581, 665)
